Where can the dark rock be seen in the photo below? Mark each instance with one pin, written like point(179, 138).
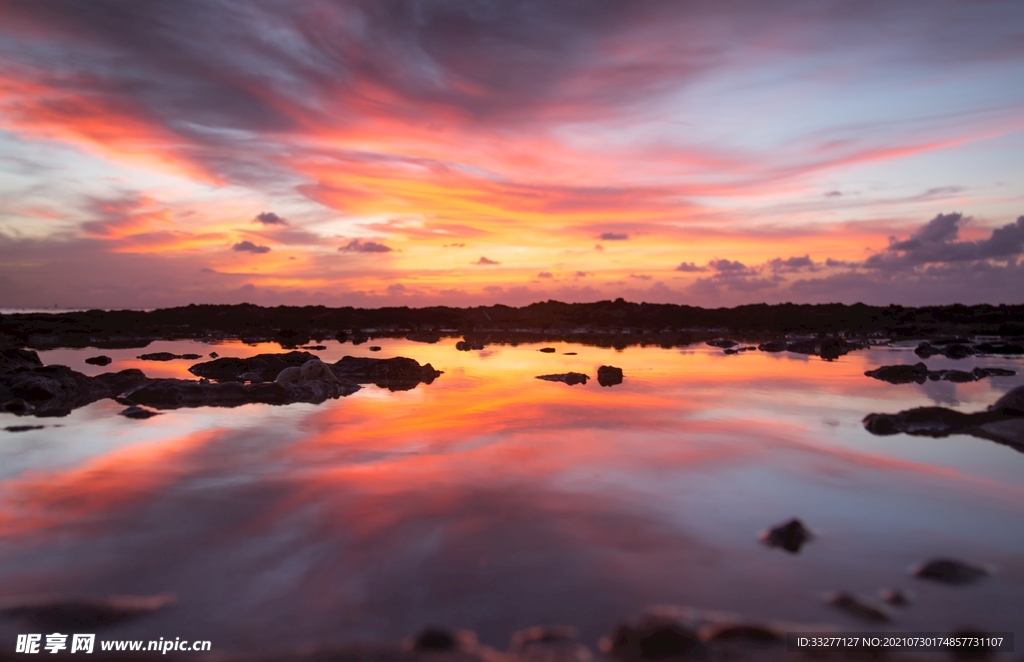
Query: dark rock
point(926, 349)
point(547, 350)
point(750, 634)
point(655, 639)
point(958, 351)
point(568, 353)
point(139, 413)
point(159, 356)
point(374, 348)
point(395, 374)
point(467, 345)
point(263, 367)
point(1003, 422)
point(857, 607)
point(895, 597)
point(809, 346)
point(359, 338)
point(23, 428)
point(17, 359)
point(69, 614)
point(182, 393)
point(56, 390)
point(900, 374)
point(549, 643)
point(190, 357)
point(569, 378)
point(731, 351)
point(314, 348)
point(790, 536)
point(993, 372)
point(950, 571)
point(433, 639)
point(608, 375)
point(832, 348)
point(722, 343)
point(213, 355)
point(99, 360)
point(772, 346)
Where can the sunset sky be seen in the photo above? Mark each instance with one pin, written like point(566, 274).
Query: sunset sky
point(464, 152)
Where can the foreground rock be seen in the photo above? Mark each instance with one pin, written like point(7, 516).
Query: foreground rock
point(181, 393)
point(396, 374)
point(950, 571)
point(16, 359)
point(545, 643)
point(570, 378)
point(69, 613)
point(1003, 422)
point(919, 374)
point(608, 375)
point(57, 390)
point(790, 536)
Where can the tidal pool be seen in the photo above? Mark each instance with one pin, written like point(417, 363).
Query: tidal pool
point(493, 501)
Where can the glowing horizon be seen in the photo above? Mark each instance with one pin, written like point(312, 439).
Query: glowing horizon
point(470, 152)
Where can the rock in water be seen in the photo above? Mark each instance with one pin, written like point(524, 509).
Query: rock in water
point(653, 639)
point(158, 356)
point(435, 639)
point(857, 607)
point(722, 343)
point(289, 375)
point(549, 644)
point(950, 571)
point(570, 378)
point(900, 374)
point(265, 367)
point(547, 350)
point(99, 360)
point(139, 413)
point(772, 346)
point(14, 359)
point(609, 375)
point(1011, 404)
point(790, 536)
point(316, 370)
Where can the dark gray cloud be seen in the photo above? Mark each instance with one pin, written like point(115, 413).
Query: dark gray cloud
point(359, 246)
point(269, 218)
point(727, 266)
point(792, 264)
point(936, 242)
point(690, 267)
point(249, 247)
point(613, 236)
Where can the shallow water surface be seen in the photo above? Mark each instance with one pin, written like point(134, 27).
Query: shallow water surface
point(493, 501)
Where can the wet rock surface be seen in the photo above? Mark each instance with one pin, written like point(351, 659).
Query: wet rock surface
point(182, 393)
point(790, 536)
point(395, 374)
point(919, 374)
point(1003, 422)
point(259, 368)
point(138, 413)
point(608, 375)
point(570, 378)
point(950, 571)
point(18, 359)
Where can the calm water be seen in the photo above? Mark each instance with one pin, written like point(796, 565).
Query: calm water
point(493, 501)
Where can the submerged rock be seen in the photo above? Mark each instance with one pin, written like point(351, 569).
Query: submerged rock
point(547, 350)
point(919, 373)
point(608, 375)
point(70, 613)
point(570, 378)
point(1003, 422)
point(395, 374)
point(183, 393)
point(23, 428)
point(262, 367)
point(790, 536)
point(949, 571)
point(158, 356)
point(139, 413)
point(467, 345)
point(100, 360)
point(857, 607)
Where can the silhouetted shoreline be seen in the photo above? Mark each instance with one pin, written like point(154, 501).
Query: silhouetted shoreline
point(616, 323)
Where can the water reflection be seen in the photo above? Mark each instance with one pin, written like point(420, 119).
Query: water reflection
point(494, 501)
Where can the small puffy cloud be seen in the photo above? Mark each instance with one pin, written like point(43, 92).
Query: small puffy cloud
point(269, 218)
point(545, 274)
point(614, 236)
point(396, 288)
point(484, 260)
point(582, 274)
point(249, 247)
point(727, 266)
point(838, 263)
point(690, 267)
point(936, 243)
point(359, 246)
point(793, 264)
